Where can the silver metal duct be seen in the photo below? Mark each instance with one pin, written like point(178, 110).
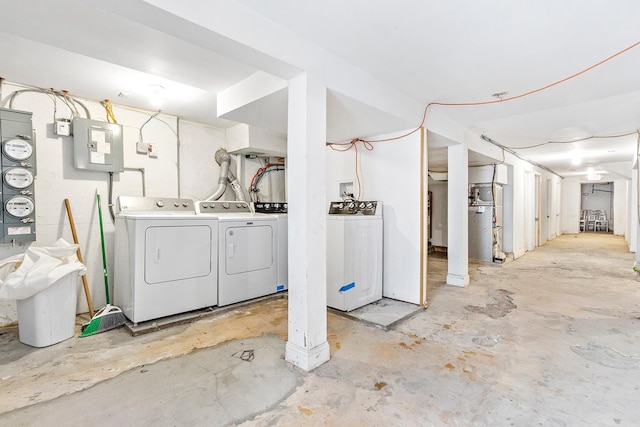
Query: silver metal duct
point(224, 160)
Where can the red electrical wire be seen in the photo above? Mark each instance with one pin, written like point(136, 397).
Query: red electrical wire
point(367, 143)
point(510, 98)
point(261, 170)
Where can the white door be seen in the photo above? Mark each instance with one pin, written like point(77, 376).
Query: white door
point(248, 248)
point(177, 253)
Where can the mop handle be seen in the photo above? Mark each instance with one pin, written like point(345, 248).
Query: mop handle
point(104, 255)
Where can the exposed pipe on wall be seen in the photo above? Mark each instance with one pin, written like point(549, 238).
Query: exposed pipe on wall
point(508, 150)
point(141, 170)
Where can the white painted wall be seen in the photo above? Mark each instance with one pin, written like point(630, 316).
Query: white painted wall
point(57, 179)
point(620, 207)
point(458, 214)
point(508, 239)
point(519, 233)
point(198, 168)
point(571, 205)
point(389, 173)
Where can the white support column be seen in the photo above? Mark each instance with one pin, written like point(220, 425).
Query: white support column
point(307, 346)
point(633, 215)
point(458, 216)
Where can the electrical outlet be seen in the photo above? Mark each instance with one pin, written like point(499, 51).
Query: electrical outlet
point(153, 150)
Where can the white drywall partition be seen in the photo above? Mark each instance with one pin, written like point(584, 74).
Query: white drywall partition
point(571, 206)
point(389, 173)
point(620, 201)
point(458, 214)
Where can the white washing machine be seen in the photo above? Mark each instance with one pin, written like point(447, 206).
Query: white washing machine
point(354, 254)
point(247, 253)
point(279, 211)
point(165, 258)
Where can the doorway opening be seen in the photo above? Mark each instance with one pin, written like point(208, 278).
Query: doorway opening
point(596, 207)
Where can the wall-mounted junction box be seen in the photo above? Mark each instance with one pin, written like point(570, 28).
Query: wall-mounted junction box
point(62, 127)
point(97, 145)
point(346, 189)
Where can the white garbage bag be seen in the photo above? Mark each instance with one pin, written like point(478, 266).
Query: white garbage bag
point(22, 276)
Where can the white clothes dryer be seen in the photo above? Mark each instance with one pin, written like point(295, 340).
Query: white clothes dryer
point(165, 258)
point(354, 254)
point(247, 253)
point(279, 211)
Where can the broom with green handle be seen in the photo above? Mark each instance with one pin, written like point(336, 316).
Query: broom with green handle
point(110, 316)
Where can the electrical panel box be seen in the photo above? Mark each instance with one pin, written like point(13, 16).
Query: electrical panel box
point(18, 169)
point(97, 145)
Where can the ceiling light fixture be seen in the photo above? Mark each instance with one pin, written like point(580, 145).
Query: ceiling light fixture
point(594, 176)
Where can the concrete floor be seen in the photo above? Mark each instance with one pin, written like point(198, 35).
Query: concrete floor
point(549, 339)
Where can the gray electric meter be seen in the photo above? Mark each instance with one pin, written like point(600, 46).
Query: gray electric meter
point(18, 168)
point(18, 178)
point(19, 206)
point(18, 149)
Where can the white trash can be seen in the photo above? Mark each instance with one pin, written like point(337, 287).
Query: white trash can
point(49, 316)
point(44, 281)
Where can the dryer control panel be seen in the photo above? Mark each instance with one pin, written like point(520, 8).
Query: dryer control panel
point(154, 205)
point(18, 169)
point(222, 207)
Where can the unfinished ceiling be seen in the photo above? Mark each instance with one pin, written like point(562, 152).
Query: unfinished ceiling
point(459, 51)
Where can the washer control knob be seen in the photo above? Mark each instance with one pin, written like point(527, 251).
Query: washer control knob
point(225, 205)
point(185, 204)
point(362, 205)
point(267, 205)
point(341, 206)
point(176, 204)
point(352, 205)
point(159, 203)
point(369, 205)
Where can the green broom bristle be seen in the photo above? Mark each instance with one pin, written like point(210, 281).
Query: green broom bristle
point(108, 318)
